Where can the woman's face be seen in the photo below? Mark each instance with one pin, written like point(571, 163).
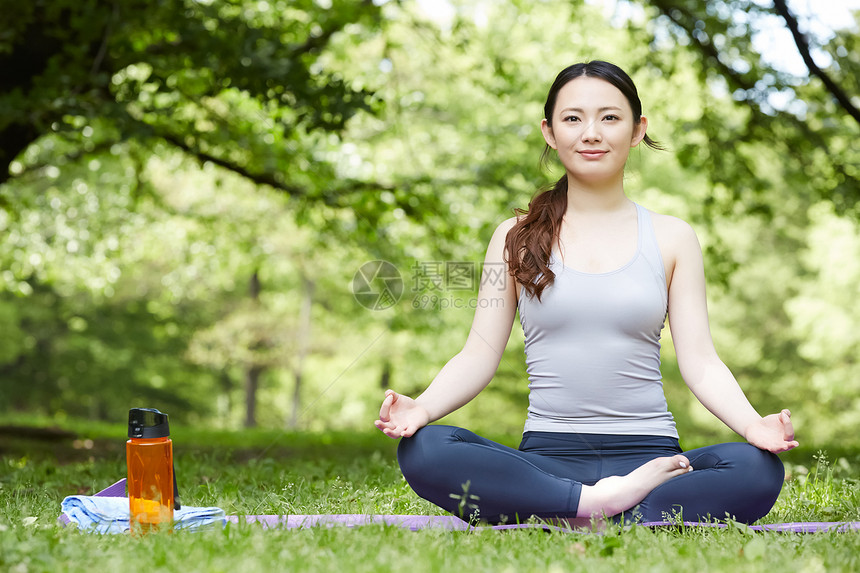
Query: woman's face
point(593, 129)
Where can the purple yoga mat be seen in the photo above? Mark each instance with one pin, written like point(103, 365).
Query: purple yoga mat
point(451, 523)
point(417, 522)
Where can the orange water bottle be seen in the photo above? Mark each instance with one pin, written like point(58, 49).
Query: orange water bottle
point(151, 481)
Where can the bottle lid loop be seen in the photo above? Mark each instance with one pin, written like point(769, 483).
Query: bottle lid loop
point(147, 423)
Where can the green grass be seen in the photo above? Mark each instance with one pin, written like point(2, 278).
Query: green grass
point(272, 472)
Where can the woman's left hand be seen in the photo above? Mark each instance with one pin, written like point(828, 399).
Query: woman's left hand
point(773, 433)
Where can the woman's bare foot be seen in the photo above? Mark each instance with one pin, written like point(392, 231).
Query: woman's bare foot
point(614, 494)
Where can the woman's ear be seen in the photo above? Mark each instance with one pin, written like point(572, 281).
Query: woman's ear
point(639, 131)
point(546, 130)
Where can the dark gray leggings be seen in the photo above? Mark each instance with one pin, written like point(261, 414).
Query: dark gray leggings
point(473, 477)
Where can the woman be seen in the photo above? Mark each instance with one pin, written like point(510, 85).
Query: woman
point(593, 276)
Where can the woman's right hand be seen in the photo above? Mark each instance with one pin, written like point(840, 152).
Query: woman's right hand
point(400, 416)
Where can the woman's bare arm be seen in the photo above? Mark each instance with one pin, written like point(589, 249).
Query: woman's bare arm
point(704, 373)
point(470, 370)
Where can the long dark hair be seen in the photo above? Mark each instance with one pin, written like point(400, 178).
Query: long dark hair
point(529, 243)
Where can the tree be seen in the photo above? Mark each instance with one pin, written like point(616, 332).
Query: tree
point(245, 86)
point(230, 82)
point(808, 125)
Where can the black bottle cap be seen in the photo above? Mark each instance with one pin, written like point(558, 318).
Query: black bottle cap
point(147, 423)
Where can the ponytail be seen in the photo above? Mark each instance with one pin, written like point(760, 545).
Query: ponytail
point(529, 243)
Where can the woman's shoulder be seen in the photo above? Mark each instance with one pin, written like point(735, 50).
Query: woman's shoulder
point(502, 228)
point(507, 224)
point(677, 241)
point(672, 229)
point(499, 238)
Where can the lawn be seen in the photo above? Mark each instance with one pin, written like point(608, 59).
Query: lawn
point(267, 472)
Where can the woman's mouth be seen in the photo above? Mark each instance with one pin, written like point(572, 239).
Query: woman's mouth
point(592, 153)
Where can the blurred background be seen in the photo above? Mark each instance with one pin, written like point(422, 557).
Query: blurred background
point(190, 191)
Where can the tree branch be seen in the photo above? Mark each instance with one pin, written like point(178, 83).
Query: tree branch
point(686, 21)
point(803, 47)
point(334, 197)
point(708, 49)
point(733, 77)
point(100, 55)
point(259, 178)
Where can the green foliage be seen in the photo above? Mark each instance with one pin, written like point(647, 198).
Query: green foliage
point(163, 157)
point(221, 79)
point(797, 118)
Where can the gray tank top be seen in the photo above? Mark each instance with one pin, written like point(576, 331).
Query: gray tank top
point(593, 347)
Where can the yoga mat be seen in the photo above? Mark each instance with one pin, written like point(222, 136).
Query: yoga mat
point(451, 523)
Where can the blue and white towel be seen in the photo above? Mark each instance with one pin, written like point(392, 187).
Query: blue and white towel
point(98, 514)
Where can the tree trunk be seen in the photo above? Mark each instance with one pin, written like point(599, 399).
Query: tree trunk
point(227, 388)
point(303, 348)
point(385, 379)
point(252, 382)
point(297, 399)
point(252, 371)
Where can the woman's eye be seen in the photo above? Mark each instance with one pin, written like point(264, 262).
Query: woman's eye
point(571, 118)
point(611, 117)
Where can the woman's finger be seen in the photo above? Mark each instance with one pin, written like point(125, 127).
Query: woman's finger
point(380, 425)
point(385, 409)
point(788, 427)
point(389, 430)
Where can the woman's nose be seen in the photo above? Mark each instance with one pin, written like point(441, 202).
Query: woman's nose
point(590, 132)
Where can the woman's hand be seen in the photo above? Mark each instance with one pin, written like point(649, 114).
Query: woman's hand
point(400, 416)
point(773, 433)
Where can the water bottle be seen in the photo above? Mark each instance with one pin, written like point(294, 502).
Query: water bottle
point(151, 479)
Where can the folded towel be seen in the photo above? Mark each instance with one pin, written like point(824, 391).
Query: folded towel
point(99, 514)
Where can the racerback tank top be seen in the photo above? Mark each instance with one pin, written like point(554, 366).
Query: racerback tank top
point(593, 347)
